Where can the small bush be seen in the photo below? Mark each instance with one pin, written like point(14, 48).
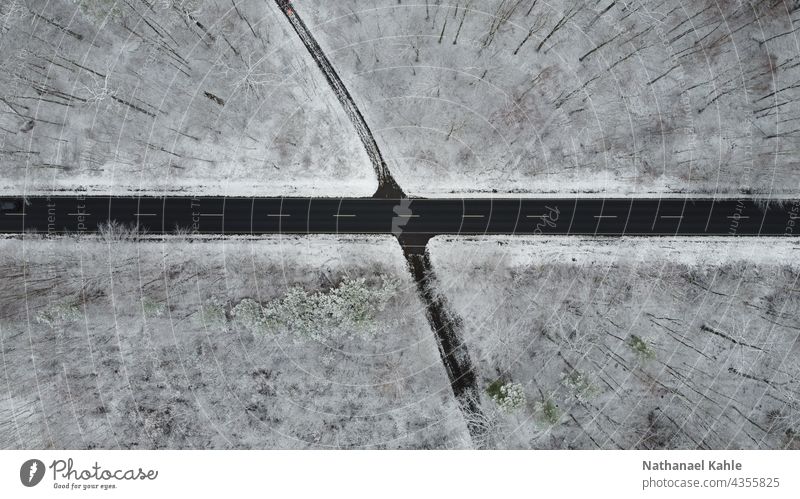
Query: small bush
point(508, 396)
point(153, 308)
point(346, 311)
point(58, 315)
point(494, 389)
point(549, 412)
point(249, 314)
point(101, 10)
point(579, 385)
point(113, 232)
point(212, 313)
point(641, 347)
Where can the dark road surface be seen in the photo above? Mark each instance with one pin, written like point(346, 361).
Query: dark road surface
point(611, 217)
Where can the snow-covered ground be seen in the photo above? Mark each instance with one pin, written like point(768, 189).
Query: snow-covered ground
point(631, 343)
point(464, 97)
point(569, 96)
point(119, 344)
point(168, 97)
point(266, 343)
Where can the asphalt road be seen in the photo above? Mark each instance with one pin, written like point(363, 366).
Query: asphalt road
point(611, 217)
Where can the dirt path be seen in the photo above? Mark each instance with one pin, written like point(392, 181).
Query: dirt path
point(387, 186)
point(445, 324)
point(447, 327)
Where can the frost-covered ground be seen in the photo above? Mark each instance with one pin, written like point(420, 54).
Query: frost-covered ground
point(514, 96)
point(631, 343)
point(142, 345)
point(168, 96)
point(607, 96)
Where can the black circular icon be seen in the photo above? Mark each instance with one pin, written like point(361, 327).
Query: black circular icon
point(31, 472)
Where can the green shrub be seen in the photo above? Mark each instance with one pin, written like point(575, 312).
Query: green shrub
point(579, 385)
point(101, 10)
point(212, 313)
point(641, 347)
point(508, 395)
point(550, 412)
point(249, 314)
point(58, 315)
point(153, 308)
point(348, 310)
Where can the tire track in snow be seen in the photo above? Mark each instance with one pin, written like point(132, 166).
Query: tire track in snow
point(387, 186)
point(446, 325)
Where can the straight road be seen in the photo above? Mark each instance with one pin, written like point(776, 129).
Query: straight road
point(423, 217)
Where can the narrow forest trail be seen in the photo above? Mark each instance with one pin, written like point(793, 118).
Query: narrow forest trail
point(447, 327)
point(387, 186)
point(445, 323)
